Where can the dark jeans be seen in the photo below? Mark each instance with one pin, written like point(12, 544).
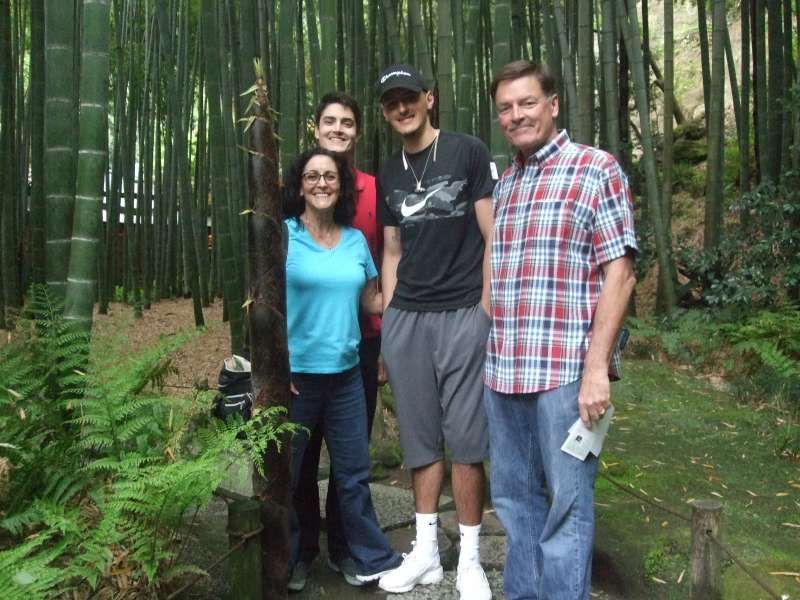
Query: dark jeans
point(335, 405)
point(306, 495)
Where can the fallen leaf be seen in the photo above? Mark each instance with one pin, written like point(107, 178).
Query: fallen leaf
point(657, 580)
point(782, 494)
point(753, 494)
point(795, 525)
point(680, 577)
point(785, 573)
point(718, 495)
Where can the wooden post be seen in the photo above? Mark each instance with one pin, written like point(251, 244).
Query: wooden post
point(244, 516)
point(706, 579)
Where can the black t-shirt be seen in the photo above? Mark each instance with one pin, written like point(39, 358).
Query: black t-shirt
point(442, 247)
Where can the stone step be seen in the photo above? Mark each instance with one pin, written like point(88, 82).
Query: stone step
point(394, 506)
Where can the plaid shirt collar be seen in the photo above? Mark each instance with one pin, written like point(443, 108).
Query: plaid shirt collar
point(541, 156)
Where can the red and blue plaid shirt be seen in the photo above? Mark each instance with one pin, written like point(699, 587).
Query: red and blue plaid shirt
point(559, 216)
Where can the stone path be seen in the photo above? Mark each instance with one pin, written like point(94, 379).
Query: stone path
point(393, 506)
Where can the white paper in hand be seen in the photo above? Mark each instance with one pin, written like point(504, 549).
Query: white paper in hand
point(580, 440)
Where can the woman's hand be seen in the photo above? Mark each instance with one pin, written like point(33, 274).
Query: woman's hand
point(371, 298)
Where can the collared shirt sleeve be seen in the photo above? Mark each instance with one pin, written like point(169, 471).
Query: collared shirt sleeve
point(613, 224)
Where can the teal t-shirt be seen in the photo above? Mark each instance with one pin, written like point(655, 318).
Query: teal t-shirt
point(323, 291)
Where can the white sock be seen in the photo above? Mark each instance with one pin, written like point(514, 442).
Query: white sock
point(426, 533)
point(470, 545)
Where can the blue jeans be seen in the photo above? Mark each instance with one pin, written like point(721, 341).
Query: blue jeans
point(336, 403)
point(544, 497)
point(306, 494)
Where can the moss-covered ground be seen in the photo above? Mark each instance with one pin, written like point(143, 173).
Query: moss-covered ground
point(676, 438)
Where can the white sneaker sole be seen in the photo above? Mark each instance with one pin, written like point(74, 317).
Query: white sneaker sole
point(429, 578)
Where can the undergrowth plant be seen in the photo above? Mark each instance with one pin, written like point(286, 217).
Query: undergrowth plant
point(767, 345)
point(104, 467)
point(755, 266)
point(758, 353)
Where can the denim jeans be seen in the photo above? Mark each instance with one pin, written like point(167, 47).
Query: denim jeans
point(544, 497)
point(306, 494)
point(336, 402)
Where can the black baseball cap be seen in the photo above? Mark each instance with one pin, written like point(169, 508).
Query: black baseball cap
point(400, 76)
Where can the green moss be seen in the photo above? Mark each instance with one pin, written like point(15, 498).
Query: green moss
point(676, 438)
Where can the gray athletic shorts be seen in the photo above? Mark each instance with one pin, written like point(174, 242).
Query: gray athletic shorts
point(435, 365)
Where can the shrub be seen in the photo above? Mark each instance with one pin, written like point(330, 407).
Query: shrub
point(767, 347)
point(103, 465)
point(755, 265)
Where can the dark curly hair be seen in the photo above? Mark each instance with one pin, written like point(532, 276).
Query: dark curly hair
point(295, 204)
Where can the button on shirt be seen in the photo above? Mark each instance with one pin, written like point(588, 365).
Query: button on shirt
point(560, 215)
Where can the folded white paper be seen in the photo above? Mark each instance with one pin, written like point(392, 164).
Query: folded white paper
point(581, 440)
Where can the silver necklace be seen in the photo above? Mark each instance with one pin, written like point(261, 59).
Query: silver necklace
point(432, 148)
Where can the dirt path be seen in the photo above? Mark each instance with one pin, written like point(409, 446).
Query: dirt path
point(198, 361)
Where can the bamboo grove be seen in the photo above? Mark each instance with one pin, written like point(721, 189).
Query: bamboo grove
point(123, 164)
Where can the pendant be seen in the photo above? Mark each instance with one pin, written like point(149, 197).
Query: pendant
point(419, 189)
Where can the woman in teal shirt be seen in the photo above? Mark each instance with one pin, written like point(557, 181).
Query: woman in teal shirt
point(329, 275)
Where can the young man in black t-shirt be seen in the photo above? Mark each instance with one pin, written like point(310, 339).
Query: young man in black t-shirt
point(434, 200)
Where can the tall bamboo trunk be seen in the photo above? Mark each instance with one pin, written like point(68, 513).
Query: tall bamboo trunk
point(228, 253)
point(584, 126)
point(466, 88)
point(630, 30)
point(60, 140)
point(287, 123)
point(744, 131)
point(611, 76)
point(424, 57)
point(568, 71)
point(9, 265)
point(705, 69)
point(760, 91)
point(716, 130)
point(37, 217)
point(501, 54)
point(444, 65)
point(270, 356)
point(667, 152)
point(186, 196)
point(775, 91)
point(92, 158)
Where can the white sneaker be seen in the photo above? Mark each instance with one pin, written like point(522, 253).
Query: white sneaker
point(417, 568)
point(472, 584)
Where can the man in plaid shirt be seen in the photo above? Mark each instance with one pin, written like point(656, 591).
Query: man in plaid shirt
point(561, 277)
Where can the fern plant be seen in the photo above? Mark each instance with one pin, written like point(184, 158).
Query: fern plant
point(768, 344)
point(102, 460)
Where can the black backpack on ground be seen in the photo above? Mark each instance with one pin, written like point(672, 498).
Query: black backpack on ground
point(235, 392)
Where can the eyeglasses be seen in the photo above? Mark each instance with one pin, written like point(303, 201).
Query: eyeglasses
point(313, 177)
